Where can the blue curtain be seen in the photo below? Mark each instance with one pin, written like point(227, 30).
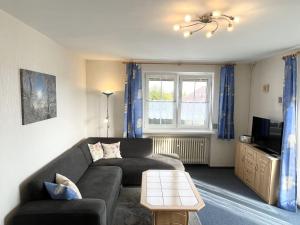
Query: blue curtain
point(133, 115)
point(287, 183)
point(226, 103)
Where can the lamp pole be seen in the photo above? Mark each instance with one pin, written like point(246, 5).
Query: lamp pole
point(107, 93)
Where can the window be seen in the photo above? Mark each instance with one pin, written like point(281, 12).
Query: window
point(177, 101)
point(161, 101)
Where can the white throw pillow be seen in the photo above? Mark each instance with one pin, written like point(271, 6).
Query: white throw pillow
point(111, 151)
point(96, 151)
point(60, 179)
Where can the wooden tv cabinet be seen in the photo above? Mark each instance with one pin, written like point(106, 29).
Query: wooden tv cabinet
point(258, 170)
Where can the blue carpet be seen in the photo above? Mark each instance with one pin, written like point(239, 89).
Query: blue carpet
point(230, 202)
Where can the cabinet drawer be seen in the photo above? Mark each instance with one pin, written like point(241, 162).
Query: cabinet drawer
point(248, 171)
point(249, 163)
point(250, 153)
point(249, 176)
point(249, 179)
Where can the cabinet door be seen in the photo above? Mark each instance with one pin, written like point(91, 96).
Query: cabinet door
point(239, 160)
point(263, 176)
point(250, 162)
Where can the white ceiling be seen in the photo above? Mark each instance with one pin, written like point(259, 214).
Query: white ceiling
point(142, 29)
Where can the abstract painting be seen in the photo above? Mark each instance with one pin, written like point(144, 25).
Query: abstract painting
point(38, 93)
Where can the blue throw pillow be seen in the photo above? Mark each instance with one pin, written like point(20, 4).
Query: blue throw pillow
point(60, 192)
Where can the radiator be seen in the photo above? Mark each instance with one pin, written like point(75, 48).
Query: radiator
point(191, 150)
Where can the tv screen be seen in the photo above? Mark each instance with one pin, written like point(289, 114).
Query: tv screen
point(267, 134)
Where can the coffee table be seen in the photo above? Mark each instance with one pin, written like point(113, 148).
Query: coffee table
point(170, 195)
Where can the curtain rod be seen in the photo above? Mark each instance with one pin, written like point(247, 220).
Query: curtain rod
point(293, 54)
point(178, 63)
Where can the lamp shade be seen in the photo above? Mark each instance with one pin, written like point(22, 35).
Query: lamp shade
point(107, 92)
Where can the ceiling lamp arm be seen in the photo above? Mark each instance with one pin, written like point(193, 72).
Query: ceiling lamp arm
point(227, 19)
point(217, 26)
point(235, 19)
point(231, 18)
point(191, 25)
point(194, 31)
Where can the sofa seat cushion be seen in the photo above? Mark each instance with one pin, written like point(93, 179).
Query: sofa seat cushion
point(102, 182)
point(134, 167)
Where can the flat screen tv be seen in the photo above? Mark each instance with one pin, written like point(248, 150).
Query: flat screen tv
point(267, 134)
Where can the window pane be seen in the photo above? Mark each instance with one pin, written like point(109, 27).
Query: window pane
point(168, 90)
point(154, 113)
point(194, 91)
point(160, 112)
point(193, 114)
point(187, 91)
point(167, 112)
point(201, 91)
point(154, 89)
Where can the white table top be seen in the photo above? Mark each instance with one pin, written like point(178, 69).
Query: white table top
point(169, 190)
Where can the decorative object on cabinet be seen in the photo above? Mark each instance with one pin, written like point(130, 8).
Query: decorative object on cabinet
point(245, 139)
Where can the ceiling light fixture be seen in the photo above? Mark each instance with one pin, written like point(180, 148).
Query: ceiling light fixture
point(187, 18)
point(193, 25)
point(186, 34)
point(176, 27)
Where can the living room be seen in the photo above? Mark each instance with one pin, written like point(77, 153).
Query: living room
point(156, 88)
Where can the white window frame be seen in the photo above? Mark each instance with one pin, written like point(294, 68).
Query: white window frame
point(208, 94)
point(146, 97)
point(177, 127)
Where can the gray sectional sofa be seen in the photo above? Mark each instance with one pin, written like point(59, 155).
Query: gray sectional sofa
point(99, 183)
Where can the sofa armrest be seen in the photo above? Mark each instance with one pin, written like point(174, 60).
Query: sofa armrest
point(60, 212)
point(170, 155)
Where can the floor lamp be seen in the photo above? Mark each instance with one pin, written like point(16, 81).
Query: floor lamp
point(107, 93)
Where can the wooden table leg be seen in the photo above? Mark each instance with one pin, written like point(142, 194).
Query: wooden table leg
point(170, 217)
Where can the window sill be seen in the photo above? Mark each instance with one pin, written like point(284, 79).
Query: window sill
point(179, 132)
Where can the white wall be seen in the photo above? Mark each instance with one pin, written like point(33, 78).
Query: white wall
point(102, 76)
point(265, 104)
point(25, 149)
point(221, 152)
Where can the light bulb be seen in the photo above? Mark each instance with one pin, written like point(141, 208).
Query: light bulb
point(187, 18)
point(236, 19)
point(209, 34)
point(187, 34)
point(216, 13)
point(105, 120)
point(176, 27)
point(230, 27)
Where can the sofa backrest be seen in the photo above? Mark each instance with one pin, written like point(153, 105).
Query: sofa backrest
point(129, 147)
point(74, 162)
point(71, 164)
